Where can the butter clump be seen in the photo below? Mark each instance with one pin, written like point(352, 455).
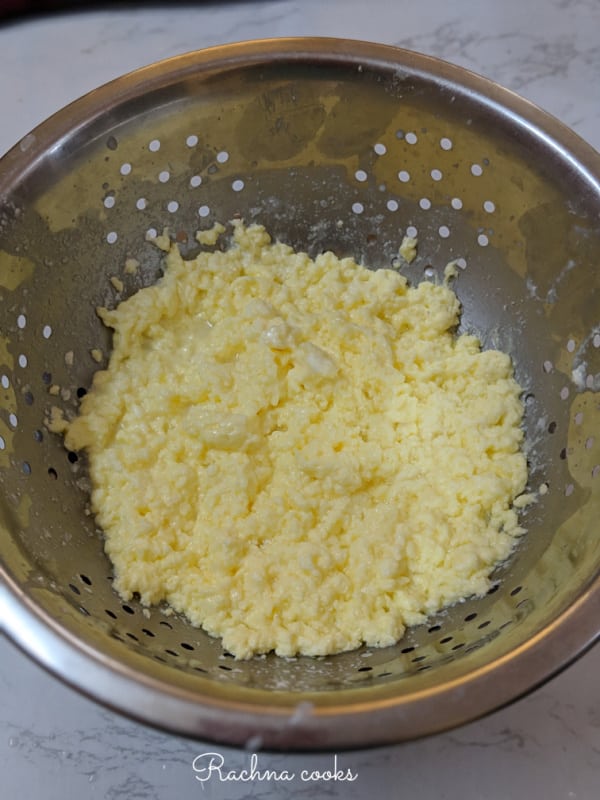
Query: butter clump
point(408, 248)
point(299, 455)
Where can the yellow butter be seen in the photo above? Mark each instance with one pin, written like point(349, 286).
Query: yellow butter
point(408, 249)
point(298, 454)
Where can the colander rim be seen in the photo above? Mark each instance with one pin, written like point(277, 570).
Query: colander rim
point(362, 723)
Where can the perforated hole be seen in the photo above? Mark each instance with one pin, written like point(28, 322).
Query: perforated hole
point(22, 360)
point(111, 237)
point(411, 138)
point(482, 240)
point(164, 176)
point(380, 149)
point(357, 208)
point(404, 176)
point(392, 205)
point(154, 145)
point(203, 211)
point(172, 206)
point(237, 185)
point(360, 175)
point(192, 140)
point(445, 143)
point(489, 206)
point(195, 181)
point(436, 174)
point(476, 170)
point(444, 231)
point(223, 157)
point(425, 203)
point(125, 169)
point(47, 331)
point(456, 203)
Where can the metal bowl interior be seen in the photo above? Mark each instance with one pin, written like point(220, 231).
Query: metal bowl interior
point(335, 145)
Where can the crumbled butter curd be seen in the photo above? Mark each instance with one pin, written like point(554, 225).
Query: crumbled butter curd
point(408, 249)
point(300, 456)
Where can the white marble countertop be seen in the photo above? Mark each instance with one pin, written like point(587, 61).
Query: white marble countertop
point(56, 744)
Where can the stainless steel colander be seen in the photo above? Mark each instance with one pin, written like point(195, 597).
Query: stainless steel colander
point(335, 145)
